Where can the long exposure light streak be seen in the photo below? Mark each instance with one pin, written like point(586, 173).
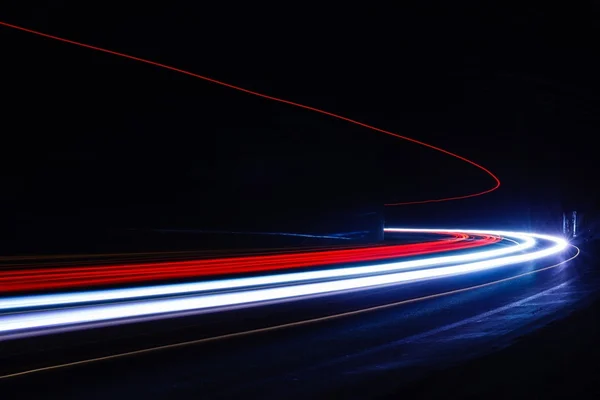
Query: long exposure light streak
point(28, 279)
point(279, 100)
point(13, 323)
point(236, 283)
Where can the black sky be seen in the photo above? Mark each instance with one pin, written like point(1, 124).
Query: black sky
point(88, 134)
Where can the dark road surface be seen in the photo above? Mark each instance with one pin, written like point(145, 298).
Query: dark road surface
point(356, 356)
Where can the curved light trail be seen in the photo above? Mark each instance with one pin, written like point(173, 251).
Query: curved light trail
point(257, 281)
point(279, 100)
point(23, 316)
point(29, 279)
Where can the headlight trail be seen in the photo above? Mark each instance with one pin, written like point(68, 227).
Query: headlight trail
point(252, 291)
point(235, 283)
point(29, 279)
point(495, 186)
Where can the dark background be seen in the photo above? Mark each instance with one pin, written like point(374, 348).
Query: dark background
point(90, 139)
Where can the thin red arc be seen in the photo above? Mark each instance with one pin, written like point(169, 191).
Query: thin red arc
point(251, 92)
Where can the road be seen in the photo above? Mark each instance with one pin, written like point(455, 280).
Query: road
point(398, 331)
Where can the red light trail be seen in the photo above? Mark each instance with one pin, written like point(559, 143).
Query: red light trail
point(72, 277)
point(482, 168)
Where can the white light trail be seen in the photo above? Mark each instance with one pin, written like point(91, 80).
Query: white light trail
point(11, 324)
point(526, 242)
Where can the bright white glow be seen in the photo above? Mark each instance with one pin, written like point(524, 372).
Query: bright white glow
point(526, 243)
point(12, 323)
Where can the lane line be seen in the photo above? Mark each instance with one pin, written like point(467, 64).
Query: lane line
point(486, 314)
